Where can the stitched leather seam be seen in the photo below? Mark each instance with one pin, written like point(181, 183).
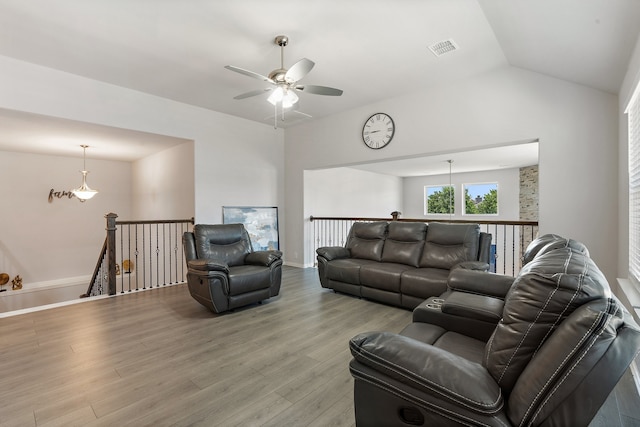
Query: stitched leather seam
point(573, 351)
point(377, 382)
point(542, 309)
point(429, 384)
point(581, 278)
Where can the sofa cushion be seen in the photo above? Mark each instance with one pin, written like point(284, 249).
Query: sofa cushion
point(366, 240)
point(404, 243)
point(450, 244)
point(385, 276)
point(247, 278)
point(424, 282)
point(346, 270)
point(546, 291)
point(549, 242)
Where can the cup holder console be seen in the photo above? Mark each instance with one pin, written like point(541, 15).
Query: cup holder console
point(434, 306)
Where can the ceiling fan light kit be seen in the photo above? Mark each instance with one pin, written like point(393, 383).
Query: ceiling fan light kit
point(284, 81)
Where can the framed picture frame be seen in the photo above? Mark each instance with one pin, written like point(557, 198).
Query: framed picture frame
point(261, 224)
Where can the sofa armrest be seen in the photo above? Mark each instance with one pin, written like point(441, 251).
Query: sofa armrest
point(427, 369)
point(477, 282)
point(472, 265)
point(207, 264)
point(333, 252)
point(265, 258)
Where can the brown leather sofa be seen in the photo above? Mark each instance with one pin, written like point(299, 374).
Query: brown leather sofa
point(402, 263)
point(558, 344)
point(224, 272)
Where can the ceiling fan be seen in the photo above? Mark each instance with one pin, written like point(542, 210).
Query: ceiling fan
point(284, 82)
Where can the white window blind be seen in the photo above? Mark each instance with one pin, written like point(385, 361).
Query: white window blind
point(633, 112)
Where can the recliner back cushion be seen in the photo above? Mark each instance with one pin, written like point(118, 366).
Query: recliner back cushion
point(543, 295)
point(450, 244)
point(366, 240)
point(549, 242)
point(570, 354)
point(228, 243)
point(404, 243)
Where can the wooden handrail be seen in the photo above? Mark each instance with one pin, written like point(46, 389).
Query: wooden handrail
point(156, 221)
point(459, 221)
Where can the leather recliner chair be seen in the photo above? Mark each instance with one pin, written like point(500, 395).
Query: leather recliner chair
point(224, 272)
point(561, 345)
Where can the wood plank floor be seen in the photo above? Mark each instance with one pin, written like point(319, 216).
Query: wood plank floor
point(159, 358)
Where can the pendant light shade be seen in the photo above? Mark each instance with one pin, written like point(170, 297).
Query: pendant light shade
point(84, 192)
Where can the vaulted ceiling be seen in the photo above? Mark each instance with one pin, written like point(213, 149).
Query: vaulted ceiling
point(371, 49)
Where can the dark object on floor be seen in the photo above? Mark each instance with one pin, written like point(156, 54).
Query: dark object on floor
point(402, 263)
point(560, 344)
point(223, 270)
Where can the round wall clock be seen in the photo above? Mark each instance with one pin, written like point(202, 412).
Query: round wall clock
point(378, 131)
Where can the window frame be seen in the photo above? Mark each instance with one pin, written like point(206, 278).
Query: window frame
point(426, 199)
point(464, 198)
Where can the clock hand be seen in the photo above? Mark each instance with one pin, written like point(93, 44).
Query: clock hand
point(374, 131)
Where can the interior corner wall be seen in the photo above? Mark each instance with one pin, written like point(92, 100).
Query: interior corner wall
point(235, 161)
point(577, 128)
point(46, 238)
point(631, 81)
point(163, 184)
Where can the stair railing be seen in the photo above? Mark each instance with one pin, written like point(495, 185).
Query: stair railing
point(139, 255)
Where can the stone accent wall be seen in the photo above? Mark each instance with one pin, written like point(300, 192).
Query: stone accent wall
point(529, 193)
point(528, 204)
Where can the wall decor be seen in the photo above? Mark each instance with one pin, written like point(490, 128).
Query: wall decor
point(261, 224)
point(57, 194)
point(4, 279)
point(16, 283)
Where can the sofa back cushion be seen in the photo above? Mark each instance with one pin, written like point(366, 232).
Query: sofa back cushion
point(404, 243)
point(227, 243)
point(366, 240)
point(543, 295)
point(450, 244)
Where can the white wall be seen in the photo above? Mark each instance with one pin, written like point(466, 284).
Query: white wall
point(508, 181)
point(236, 162)
point(163, 185)
point(339, 192)
point(576, 127)
point(44, 241)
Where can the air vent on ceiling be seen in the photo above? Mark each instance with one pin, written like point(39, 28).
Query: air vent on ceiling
point(443, 47)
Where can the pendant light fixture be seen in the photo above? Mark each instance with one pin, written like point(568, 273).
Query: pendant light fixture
point(84, 192)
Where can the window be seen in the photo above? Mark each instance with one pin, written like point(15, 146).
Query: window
point(439, 199)
point(481, 199)
point(633, 112)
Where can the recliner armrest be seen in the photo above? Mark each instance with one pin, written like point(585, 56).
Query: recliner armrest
point(473, 306)
point(478, 282)
point(427, 369)
point(333, 252)
point(265, 258)
point(472, 265)
point(208, 264)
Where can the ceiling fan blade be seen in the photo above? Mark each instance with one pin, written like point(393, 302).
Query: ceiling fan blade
point(320, 90)
point(299, 70)
point(249, 73)
point(252, 93)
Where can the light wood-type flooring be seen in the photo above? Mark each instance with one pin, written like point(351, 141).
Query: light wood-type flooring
point(158, 358)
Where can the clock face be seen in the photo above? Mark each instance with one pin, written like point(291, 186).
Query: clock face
point(378, 131)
